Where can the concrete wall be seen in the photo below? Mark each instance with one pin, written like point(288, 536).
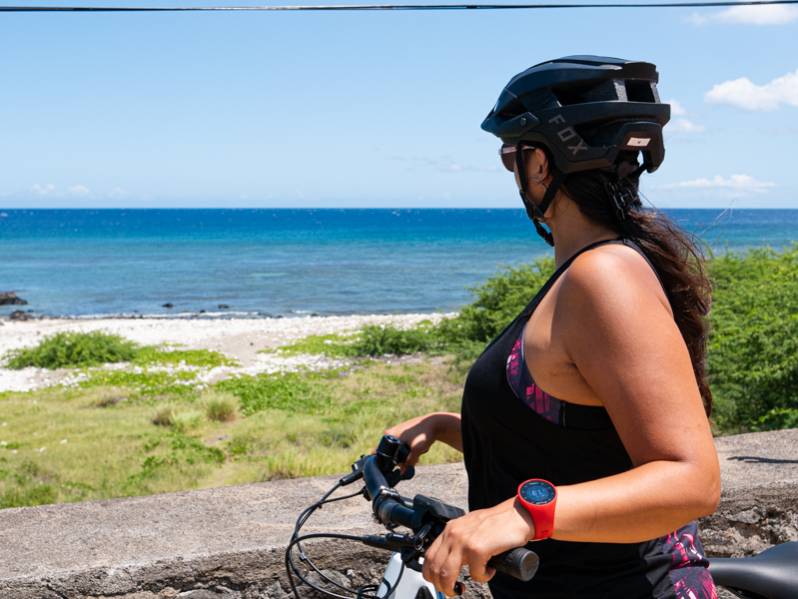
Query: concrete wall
point(229, 542)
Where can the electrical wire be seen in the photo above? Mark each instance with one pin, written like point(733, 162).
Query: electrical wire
point(382, 7)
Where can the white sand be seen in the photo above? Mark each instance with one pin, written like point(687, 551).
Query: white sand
point(240, 339)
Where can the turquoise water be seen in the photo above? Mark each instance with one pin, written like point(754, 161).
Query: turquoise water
point(282, 262)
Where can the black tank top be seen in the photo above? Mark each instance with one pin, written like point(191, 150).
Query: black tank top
point(508, 439)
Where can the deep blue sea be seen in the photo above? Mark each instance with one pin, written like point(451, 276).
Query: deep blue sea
point(282, 262)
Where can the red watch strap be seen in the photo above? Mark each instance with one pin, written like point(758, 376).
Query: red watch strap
point(542, 515)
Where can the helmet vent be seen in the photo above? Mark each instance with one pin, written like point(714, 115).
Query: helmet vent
point(586, 92)
point(511, 109)
point(639, 91)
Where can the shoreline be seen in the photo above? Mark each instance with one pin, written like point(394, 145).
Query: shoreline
point(5, 316)
point(249, 341)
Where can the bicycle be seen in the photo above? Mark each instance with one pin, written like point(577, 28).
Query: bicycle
point(771, 574)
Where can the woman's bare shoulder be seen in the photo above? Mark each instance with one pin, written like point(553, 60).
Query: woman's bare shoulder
point(616, 276)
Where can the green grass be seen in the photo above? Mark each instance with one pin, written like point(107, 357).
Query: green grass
point(332, 345)
point(148, 385)
point(166, 356)
point(101, 441)
point(305, 392)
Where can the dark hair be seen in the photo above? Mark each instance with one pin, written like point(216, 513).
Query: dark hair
point(611, 198)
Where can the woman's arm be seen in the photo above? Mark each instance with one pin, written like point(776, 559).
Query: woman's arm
point(623, 342)
point(447, 426)
point(625, 345)
point(421, 432)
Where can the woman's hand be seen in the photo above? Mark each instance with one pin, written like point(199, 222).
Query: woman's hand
point(419, 433)
point(472, 540)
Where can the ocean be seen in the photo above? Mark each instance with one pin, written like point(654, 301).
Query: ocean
point(271, 262)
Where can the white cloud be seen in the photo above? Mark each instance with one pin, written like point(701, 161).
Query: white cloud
point(744, 93)
point(733, 183)
point(682, 124)
point(677, 109)
point(79, 190)
point(771, 14)
point(43, 189)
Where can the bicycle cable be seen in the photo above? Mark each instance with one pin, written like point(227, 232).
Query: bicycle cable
point(363, 592)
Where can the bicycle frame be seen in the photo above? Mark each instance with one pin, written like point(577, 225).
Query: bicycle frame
point(411, 584)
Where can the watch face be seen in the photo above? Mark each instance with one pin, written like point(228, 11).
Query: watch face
point(537, 492)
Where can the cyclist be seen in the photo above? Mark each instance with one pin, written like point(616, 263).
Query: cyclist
point(584, 424)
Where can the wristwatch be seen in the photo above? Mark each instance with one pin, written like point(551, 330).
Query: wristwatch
point(539, 497)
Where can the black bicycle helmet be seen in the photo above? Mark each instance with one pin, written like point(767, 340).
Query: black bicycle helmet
point(584, 110)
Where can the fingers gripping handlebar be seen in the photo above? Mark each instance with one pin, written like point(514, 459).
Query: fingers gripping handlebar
point(425, 516)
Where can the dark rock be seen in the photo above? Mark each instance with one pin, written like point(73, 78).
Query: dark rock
point(223, 307)
point(9, 298)
point(19, 315)
point(167, 305)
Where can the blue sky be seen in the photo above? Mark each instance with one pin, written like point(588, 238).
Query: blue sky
point(378, 109)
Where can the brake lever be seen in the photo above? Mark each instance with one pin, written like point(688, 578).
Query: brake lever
point(395, 476)
point(355, 475)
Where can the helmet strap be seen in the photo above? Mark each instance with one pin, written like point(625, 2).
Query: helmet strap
point(536, 212)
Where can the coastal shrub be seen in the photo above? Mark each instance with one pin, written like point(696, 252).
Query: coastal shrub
point(304, 392)
point(379, 340)
point(221, 408)
point(371, 341)
point(74, 350)
point(69, 350)
point(753, 349)
point(778, 418)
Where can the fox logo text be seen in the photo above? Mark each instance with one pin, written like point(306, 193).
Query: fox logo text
point(568, 136)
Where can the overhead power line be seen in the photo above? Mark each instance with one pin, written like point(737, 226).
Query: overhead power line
point(367, 7)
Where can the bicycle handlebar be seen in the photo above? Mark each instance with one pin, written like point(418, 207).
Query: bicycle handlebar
point(391, 509)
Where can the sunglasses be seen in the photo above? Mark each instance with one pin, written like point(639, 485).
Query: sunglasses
point(507, 154)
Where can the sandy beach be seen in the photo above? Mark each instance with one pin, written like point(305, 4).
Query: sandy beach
point(242, 339)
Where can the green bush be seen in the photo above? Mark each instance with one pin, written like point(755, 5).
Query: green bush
point(753, 348)
point(73, 350)
point(69, 350)
point(376, 340)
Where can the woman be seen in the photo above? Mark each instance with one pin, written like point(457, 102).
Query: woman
point(584, 423)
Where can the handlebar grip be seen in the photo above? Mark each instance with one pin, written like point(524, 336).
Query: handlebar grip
point(520, 563)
